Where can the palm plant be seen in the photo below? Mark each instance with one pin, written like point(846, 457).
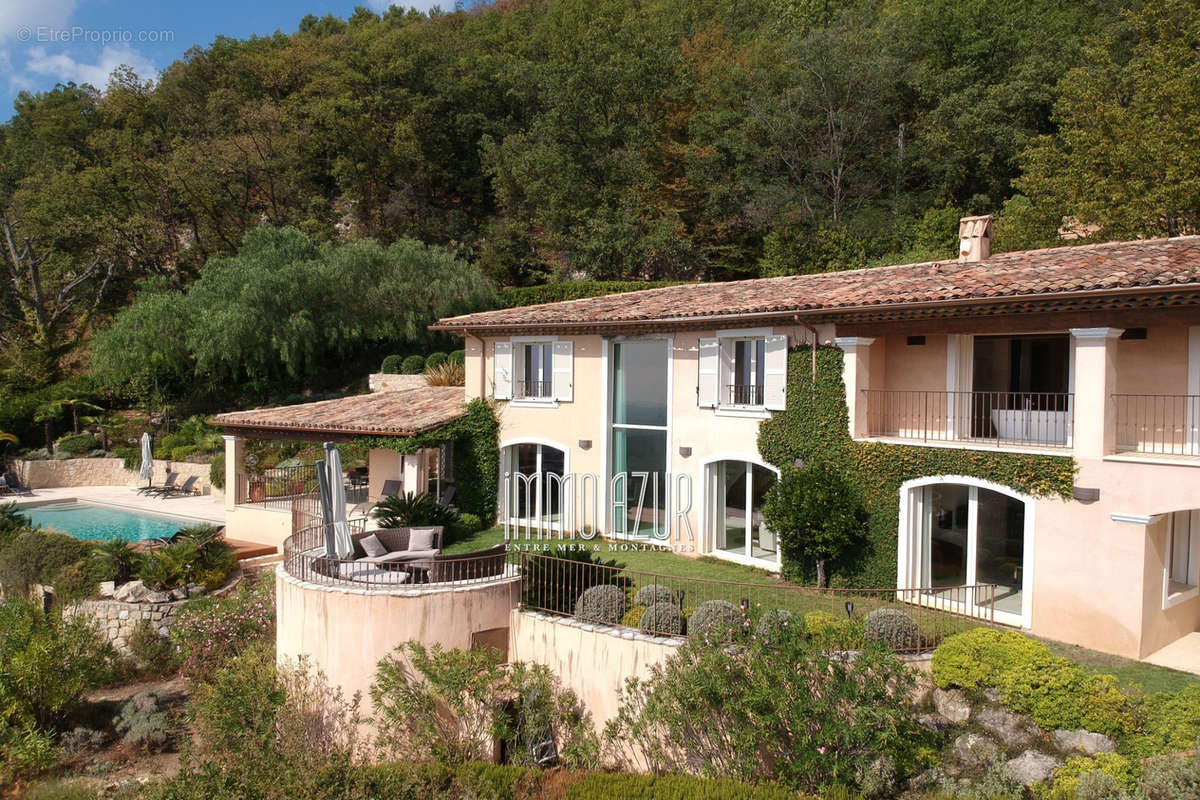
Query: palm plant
point(407, 510)
point(118, 558)
point(107, 424)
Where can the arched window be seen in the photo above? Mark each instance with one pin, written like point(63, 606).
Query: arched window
point(960, 533)
point(531, 486)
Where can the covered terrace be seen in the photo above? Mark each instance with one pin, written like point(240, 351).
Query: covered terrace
point(266, 506)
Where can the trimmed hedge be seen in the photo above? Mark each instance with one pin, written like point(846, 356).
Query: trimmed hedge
point(391, 364)
point(434, 360)
point(77, 444)
point(571, 290)
point(815, 427)
point(413, 365)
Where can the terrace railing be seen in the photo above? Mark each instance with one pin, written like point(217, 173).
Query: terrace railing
point(1036, 419)
point(281, 488)
point(1158, 424)
point(554, 585)
point(304, 558)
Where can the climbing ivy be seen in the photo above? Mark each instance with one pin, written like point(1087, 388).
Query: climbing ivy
point(815, 427)
point(476, 442)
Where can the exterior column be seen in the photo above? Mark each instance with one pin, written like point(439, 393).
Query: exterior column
point(235, 454)
point(856, 374)
point(1095, 365)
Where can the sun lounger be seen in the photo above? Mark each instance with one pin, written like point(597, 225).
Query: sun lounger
point(187, 487)
point(168, 484)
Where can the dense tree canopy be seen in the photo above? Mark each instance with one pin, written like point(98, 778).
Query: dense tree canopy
point(607, 139)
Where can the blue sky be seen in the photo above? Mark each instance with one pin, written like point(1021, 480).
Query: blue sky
point(44, 42)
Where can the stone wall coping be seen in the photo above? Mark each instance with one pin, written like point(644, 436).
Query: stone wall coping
point(423, 590)
point(620, 632)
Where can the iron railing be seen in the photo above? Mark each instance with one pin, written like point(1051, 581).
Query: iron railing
point(534, 389)
point(554, 585)
point(304, 558)
point(1038, 419)
point(744, 394)
point(1161, 424)
point(278, 488)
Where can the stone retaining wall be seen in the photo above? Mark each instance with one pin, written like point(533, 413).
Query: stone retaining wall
point(389, 382)
point(71, 472)
point(116, 620)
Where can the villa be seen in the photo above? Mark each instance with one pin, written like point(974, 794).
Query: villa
point(638, 416)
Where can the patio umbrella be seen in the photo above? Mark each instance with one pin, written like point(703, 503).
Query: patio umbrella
point(326, 506)
point(337, 502)
point(147, 459)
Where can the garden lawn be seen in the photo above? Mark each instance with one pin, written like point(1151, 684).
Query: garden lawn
point(1150, 678)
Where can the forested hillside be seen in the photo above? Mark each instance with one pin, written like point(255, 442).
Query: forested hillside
point(542, 140)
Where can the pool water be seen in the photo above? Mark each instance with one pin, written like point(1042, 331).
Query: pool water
point(84, 521)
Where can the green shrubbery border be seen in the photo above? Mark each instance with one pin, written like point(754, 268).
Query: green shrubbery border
point(476, 440)
point(571, 290)
point(815, 426)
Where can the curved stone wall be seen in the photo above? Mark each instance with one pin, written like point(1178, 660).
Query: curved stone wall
point(345, 632)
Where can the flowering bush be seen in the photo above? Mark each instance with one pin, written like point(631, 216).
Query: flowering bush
point(211, 630)
point(809, 716)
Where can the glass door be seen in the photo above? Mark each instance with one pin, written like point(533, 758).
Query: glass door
point(638, 478)
point(737, 491)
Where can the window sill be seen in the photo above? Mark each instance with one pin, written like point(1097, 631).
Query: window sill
point(533, 402)
point(1180, 597)
point(748, 412)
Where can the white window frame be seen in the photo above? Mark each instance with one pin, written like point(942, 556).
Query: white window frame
point(727, 344)
point(1174, 598)
point(707, 508)
point(519, 343)
point(910, 555)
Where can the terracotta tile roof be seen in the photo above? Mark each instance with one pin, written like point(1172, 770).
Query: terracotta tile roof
point(404, 412)
point(1115, 267)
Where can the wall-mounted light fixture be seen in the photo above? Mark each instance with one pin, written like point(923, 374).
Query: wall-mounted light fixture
point(685, 451)
point(585, 444)
point(1085, 495)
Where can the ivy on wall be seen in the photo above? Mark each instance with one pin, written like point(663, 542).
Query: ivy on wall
point(815, 427)
point(476, 441)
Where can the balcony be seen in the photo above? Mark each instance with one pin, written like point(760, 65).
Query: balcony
point(1013, 419)
point(1157, 424)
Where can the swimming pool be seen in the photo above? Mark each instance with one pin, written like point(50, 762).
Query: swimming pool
point(86, 521)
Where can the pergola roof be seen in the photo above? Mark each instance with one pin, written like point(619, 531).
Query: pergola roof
point(404, 412)
point(1053, 277)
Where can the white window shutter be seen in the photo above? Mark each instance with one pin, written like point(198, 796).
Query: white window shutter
point(710, 357)
point(502, 367)
point(564, 371)
point(775, 374)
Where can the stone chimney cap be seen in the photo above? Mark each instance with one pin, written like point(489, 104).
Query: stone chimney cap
point(975, 238)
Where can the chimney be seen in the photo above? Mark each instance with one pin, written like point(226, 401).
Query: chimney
point(975, 238)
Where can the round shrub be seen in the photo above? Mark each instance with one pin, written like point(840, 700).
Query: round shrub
point(717, 621)
point(216, 471)
point(1067, 778)
point(1058, 693)
point(604, 603)
point(653, 593)
point(392, 364)
point(413, 365)
point(662, 618)
point(469, 523)
point(774, 623)
point(633, 616)
point(434, 360)
point(892, 627)
point(977, 658)
point(820, 623)
point(1172, 723)
point(77, 444)
point(457, 357)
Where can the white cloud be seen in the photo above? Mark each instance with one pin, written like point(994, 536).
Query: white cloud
point(63, 68)
point(19, 17)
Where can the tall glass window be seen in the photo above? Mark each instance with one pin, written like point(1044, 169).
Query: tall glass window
point(737, 491)
point(639, 438)
point(533, 486)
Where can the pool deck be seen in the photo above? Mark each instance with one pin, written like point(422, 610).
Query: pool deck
point(201, 508)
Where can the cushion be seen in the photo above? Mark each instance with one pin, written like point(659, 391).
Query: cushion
point(421, 539)
point(399, 555)
point(372, 546)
